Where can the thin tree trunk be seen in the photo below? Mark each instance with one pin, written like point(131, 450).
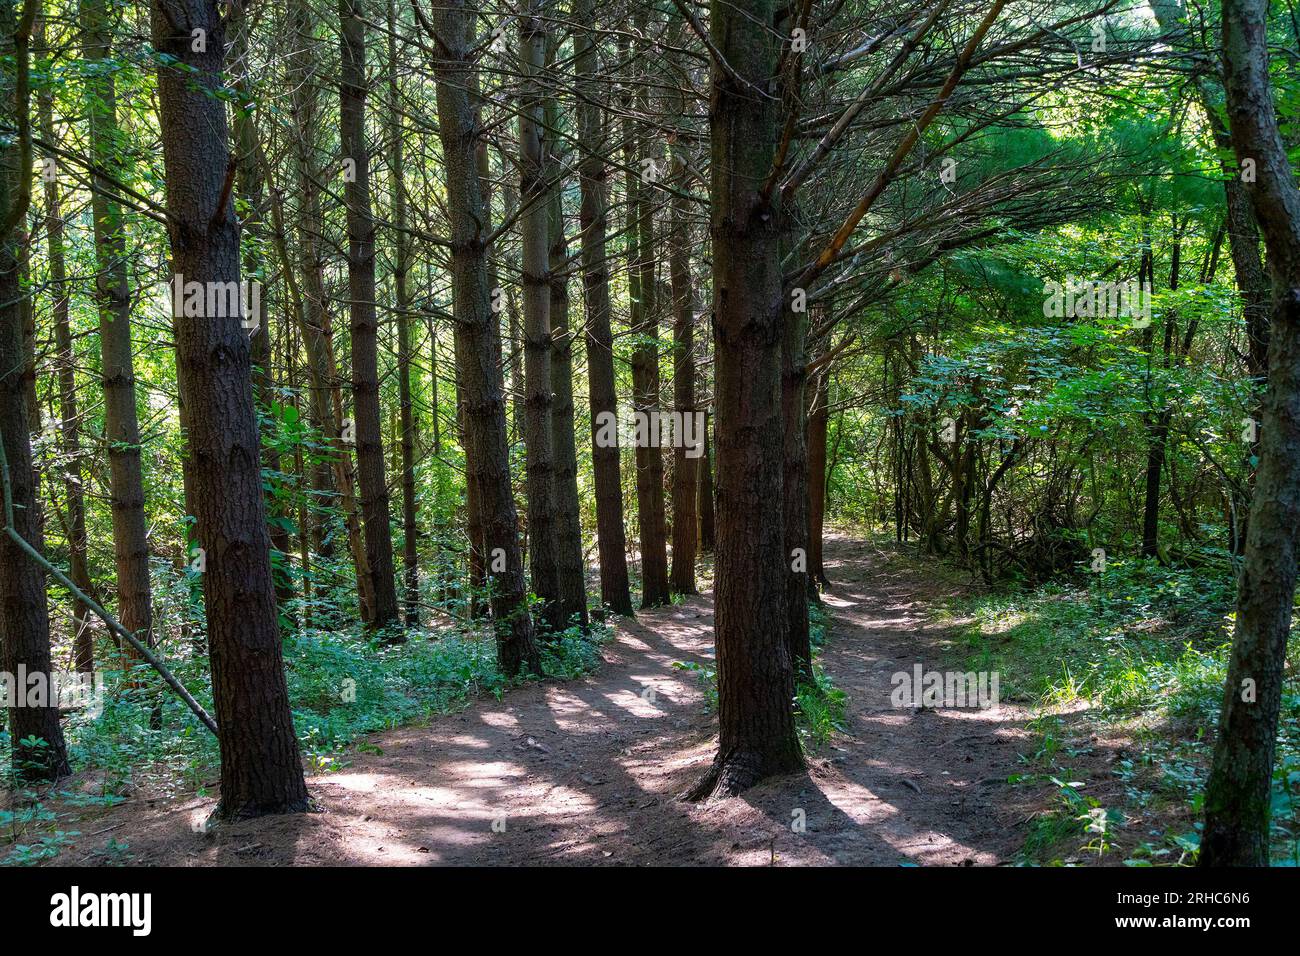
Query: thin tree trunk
point(27, 307)
point(568, 528)
point(300, 471)
point(65, 363)
point(685, 460)
point(645, 351)
point(402, 303)
point(24, 615)
point(794, 375)
point(1157, 423)
point(364, 325)
point(514, 332)
point(477, 354)
point(473, 513)
point(708, 534)
point(113, 297)
point(534, 231)
point(1237, 794)
point(611, 539)
point(818, 420)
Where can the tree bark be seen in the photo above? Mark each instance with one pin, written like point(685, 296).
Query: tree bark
point(70, 419)
point(477, 355)
point(113, 298)
point(708, 533)
point(364, 326)
point(794, 375)
point(611, 539)
point(756, 736)
point(568, 527)
point(685, 528)
point(818, 420)
point(1237, 794)
point(534, 231)
point(645, 352)
point(38, 748)
point(477, 565)
point(402, 305)
point(261, 771)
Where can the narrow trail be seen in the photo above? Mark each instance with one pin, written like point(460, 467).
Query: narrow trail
point(588, 771)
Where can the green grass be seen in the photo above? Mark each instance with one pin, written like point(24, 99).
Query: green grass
point(819, 710)
point(819, 704)
point(1138, 651)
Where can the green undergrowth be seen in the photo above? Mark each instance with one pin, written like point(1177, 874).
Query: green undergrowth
point(342, 686)
point(1124, 673)
point(819, 704)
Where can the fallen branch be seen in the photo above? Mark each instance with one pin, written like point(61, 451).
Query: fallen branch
point(91, 603)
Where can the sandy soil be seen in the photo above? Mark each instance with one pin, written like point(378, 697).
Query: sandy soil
point(589, 771)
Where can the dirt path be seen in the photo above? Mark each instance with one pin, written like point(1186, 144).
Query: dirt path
point(587, 772)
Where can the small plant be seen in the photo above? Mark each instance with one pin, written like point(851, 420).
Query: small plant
point(1076, 817)
point(1286, 813)
point(45, 848)
point(708, 678)
point(819, 709)
point(113, 853)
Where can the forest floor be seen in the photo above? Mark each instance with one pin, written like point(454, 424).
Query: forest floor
point(590, 771)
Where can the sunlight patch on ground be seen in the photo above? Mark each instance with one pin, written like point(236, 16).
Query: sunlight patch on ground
point(501, 719)
point(572, 714)
point(858, 802)
point(634, 703)
point(486, 776)
point(356, 782)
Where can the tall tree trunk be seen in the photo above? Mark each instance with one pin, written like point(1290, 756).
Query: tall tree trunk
point(534, 231)
point(261, 771)
point(402, 303)
point(333, 476)
point(755, 679)
point(24, 615)
point(27, 307)
point(478, 603)
point(477, 354)
point(263, 394)
point(364, 325)
point(645, 352)
point(66, 363)
point(685, 460)
point(568, 528)
point(1237, 794)
point(113, 297)
point(611, 539)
